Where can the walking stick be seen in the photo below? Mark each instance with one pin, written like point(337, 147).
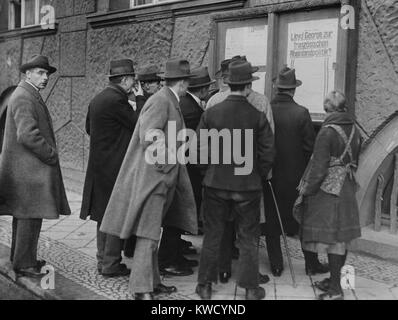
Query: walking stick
point(284, 236)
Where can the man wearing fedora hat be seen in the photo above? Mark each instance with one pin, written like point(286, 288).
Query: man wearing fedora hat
point(110, 124)
point(261, 103)
point(172, 247)
point(228, 196)
point(145, 190)
point(31, 184)
point(148, 84)
point(294, 142)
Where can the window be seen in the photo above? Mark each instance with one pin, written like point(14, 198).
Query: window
point(128, 4)
point(27, 13)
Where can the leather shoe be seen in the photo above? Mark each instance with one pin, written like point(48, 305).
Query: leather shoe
point(175, 271)
point(184, 262)
point(40, 264)
point(188, 250)
point(276, 272)
point(121, 272)
point(224, 276)
point(204, 291)
point(255, 294)
point(323, 285)
point(162, 289)
point(32, 272)
point(263, 278)
point(331, 295)
point(186, 243)
point(317, 268)
point(143, 296)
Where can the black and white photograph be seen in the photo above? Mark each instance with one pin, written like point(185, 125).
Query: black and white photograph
point(198, 151)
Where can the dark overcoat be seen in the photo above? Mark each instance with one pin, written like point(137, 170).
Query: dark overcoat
point(31, 184)
point(294, 142)
point(143, 191)
point(110, 123)
point(328, 218)
point(192, 113)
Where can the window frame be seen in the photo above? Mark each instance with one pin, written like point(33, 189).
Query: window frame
point(153, 3)
point(37, 14)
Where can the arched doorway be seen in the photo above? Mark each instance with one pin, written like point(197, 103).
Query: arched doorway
point(4, 96)
point(378, 159)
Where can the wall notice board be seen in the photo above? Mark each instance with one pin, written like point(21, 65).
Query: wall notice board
point(310, 41)
point(246, 38)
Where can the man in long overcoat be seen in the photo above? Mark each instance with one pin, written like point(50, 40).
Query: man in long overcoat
point(145, 189)
point(31, 185)
point(110, 123)
point(294, 142)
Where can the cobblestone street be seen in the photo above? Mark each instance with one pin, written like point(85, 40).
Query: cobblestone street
point(69, 245)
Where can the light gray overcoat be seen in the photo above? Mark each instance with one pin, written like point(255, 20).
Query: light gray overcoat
point(143, 192)
point(31, 184)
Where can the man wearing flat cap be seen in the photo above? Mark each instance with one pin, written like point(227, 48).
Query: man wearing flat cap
point(151, 192)
point(31, 185)
point(294, 142)
point(172, 247)
point(110, 124)
point(229, 195)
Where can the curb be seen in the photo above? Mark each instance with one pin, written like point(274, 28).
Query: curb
point(25, 283)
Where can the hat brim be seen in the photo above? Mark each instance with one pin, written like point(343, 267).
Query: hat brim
point(150, 79)
point(28, 66)
point(291, 86)
point(164, 76)
point(120, 75)
point(203, 84)
point(253, 78)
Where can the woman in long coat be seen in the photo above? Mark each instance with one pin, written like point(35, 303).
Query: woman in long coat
point(330, 217)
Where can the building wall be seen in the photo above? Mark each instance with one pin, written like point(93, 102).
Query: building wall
point(82, 54)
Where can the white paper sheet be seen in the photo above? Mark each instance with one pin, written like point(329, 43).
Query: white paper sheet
point(312, 51)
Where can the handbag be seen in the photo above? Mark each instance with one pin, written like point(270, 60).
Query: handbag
point(337, 171)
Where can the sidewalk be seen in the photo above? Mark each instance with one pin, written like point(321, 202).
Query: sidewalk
point(69, 245)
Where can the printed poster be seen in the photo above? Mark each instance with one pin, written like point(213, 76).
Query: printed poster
point(312, 51)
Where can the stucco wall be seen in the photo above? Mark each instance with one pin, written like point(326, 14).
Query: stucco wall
point(82, 54)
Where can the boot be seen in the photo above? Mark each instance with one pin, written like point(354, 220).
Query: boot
point(313, 265)
point(334, 291)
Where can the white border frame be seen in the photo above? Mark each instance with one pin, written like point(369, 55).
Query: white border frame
point(37, 13)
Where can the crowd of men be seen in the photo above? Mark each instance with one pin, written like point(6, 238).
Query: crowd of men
point(143, 209)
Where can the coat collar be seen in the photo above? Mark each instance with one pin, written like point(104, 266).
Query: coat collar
point(339, 118)
point(31, 90)
point(118, 89)
point(281, 97)
point(235, 97)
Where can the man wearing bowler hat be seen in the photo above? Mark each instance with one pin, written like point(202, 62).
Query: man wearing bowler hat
point(294, 142)
point(229, 195)
point(110, 123)
point(172, 247)
point(31, 185)
point(148, 187)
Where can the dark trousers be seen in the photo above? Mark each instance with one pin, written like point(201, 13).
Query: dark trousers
point(221, 206)
point(227, 242)
point(170, 250)
point(109, 250)
point(25, 238)
point(275, 253)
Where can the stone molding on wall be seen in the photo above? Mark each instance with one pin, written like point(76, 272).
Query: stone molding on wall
point(29, 32)
point(161, 11)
